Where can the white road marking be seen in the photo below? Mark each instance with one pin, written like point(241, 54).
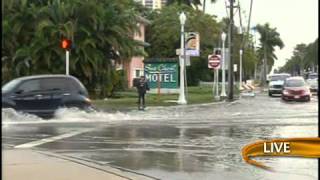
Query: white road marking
point(51, 139)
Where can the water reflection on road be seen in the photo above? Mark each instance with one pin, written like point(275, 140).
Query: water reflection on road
point(192, 142)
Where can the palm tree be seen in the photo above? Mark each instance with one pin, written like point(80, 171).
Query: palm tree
point(101, 31)
point(300, 51)
point(269, 39)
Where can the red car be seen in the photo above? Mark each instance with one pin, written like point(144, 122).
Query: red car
point(296, 89)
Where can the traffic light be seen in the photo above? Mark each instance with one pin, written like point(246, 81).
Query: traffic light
point(66, 44)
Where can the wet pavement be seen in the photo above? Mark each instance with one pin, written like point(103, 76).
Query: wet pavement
point(182, 142)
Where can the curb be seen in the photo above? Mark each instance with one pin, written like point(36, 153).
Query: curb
point(118, 171)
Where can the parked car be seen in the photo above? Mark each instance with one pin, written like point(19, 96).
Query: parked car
point(42, 95)
point(276, 83)
point(312, 76)
point(313, 84)
point(295, 88)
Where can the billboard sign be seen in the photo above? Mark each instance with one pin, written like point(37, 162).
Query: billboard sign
point(165, 72)
point(192, 43)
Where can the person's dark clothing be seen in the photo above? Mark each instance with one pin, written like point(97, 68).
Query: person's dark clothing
point(142, 87)
point(141, 97)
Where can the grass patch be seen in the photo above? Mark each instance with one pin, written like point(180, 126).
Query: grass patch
point(128, 99)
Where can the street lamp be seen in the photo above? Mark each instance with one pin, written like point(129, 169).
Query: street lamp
point(182, 97)
point(223, 90)
point(240, 75)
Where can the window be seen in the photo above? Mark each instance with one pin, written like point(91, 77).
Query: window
point(295, 83)
point(30, 86)
point(279, 78)
point(137, 73)
point(313, 76)
point(61, 84)
point(10, 85)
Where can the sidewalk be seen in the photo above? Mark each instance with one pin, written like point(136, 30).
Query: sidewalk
point(34, 165)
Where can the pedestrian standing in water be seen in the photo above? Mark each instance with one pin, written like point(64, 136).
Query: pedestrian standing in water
point(142, 88)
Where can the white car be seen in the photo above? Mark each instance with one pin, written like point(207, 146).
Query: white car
point(276, 82)
point(313, 84)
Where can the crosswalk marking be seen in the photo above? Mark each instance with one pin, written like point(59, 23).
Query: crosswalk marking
point(51, 139)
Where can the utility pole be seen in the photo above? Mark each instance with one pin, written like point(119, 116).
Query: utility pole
point(230, 72)
point(264, 75)
point(67, 62)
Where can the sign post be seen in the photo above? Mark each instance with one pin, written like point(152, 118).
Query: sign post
point(159, 84)
point(67, 62)
point(214, 63)
point(217, 85)
point(66, 45)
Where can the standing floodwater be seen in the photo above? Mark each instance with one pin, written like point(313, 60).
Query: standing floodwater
point(180, 143)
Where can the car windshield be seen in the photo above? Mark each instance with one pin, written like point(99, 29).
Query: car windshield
point(313, 76)
point(278, 78)
point(295, 83)
point(8, 86)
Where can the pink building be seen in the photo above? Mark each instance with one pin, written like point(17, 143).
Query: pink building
point(134, 67)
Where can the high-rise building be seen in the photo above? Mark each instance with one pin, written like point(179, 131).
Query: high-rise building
point(153, 4)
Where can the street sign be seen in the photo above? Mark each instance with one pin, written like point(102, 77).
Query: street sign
point(214, 61)
point(165, 72)
point(192, 43)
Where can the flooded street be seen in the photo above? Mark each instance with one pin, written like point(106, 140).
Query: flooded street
point(180, 143)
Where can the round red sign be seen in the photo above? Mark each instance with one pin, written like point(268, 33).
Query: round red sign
point(214, 61)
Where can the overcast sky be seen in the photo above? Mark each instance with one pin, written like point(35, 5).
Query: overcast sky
point(295, 20)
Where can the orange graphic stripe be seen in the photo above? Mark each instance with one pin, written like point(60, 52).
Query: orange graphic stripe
point(298, 147)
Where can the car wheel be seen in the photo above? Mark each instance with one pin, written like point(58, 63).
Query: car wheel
point(270, 94)
point(89, 108)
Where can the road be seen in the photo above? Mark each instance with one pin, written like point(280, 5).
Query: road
point(179, 143)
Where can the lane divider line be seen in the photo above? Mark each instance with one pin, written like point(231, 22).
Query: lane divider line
point(51, 139)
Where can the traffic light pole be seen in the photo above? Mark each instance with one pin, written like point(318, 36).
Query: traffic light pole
point(67, 62)
point(217, 97)
point(230, 72)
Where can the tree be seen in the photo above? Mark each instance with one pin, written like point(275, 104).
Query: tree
point(186, 2)
point(164, 37)
point(269, 39)
point(102, 32)
point(304, 57)
point(300, 53)
point(194, 3)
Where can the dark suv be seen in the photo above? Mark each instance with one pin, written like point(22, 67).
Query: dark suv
point(42, 95)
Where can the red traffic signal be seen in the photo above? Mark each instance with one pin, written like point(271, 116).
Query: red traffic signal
point(66, 44)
